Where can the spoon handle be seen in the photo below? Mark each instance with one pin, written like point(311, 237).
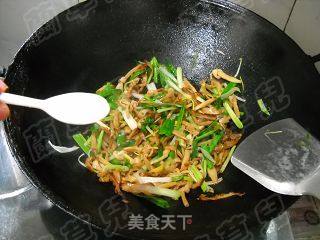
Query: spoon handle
point(21, 100)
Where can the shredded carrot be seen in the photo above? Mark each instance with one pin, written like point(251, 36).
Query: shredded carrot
point(216, 197)
point(184, 199)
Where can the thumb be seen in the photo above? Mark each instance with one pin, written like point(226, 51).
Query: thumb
point(4, 111)
point(3, 86)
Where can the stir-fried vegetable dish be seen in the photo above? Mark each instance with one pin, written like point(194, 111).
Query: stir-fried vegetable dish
point(163, 137)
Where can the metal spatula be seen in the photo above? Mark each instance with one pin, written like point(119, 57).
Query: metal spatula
point(283, 157)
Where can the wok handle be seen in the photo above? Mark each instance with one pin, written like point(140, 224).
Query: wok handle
point(313, 187)
point(316, 58)
point(3, 71)
point(18, 100)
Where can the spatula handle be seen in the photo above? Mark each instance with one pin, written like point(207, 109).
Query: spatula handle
point(21, 100)
point(313, 185)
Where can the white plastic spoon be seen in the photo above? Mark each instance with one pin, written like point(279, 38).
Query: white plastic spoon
point(72, 108)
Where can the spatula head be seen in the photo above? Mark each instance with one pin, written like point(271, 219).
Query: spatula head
point(283, 157)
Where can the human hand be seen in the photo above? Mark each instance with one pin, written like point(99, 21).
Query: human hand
point(4, 109)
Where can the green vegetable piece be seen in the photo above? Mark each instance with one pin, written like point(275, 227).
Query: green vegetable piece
point(155, 67)
point(160, 202)
point(172, 69)
point(172, 154)
point(177, 178)
point(224, 165)
point(204, 186)
point(216, 139)
point(154, 61)
point(163, 79)
point(110, 93)
point(107, 119)
point(110, 167)
point(155, 160)
point(88, 142)
point(196, 173)
point(100, 141)
point(215, 92)
point(218, 104)
point(188, 178)
point(203, 134)
point(128, 163)
point(174, 194)
point(167, 78)
point(136, 74)
point(112, 100)
point(180, 117)
point(122, 141)
point(159, 153)
point(108, 90)
point(115, 161)
point(149, 75)
point(230, 86)
point(156, 74)
point(194, 153)
point(229, 90)
point(233, 116)
point(167, 127)
point(94, 128)
point(206, 154)
point(80, 140)
point(179, 77)
point(118, 162)
point(263, 107)
point(161, 110)
point(157, 96)
point(204, 167)
point(210, 164)
point(147, 122)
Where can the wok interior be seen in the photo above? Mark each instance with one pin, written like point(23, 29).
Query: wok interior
point(87, 52)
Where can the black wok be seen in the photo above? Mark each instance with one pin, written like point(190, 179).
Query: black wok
point(98, 41)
